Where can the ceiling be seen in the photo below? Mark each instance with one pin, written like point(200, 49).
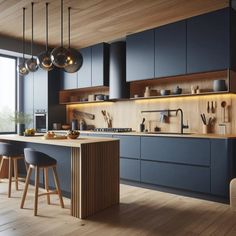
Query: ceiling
point(94, 21)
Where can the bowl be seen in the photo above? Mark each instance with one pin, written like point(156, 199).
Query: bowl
point(165, 92)
point(177, 90)
point(72, 136)
point(65, 127)
point(219, 85)
point(99, 97)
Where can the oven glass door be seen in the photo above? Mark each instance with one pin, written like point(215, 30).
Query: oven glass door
point(41, 122)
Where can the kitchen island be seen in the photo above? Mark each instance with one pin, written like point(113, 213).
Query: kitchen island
point(88, 169)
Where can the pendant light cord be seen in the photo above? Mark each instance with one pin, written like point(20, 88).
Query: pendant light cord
point(32, 21)
point(61, 23)
point(69, 8)
point(23, 44)
point(47, 26)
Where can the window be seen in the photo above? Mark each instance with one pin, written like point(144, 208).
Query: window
point(7, 93)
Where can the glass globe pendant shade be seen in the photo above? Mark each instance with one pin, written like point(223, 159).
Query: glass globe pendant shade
point(22, 69)
point(44, 61)
point(32, 65)
point(60, 57)
point(76, 61)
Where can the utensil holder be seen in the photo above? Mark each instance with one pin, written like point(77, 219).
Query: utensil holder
point(206, 129)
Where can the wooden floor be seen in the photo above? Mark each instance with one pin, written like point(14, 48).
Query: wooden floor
point(141, 212)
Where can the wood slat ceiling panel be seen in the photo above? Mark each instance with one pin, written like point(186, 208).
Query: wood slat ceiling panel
point(94, 21)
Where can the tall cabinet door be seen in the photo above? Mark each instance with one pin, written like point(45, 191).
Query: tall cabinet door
point(40, 90)
point(170, 49)
point(28, 96)
point(100, 65)
point(85, 72)
point(140, 56)
point(208, 42)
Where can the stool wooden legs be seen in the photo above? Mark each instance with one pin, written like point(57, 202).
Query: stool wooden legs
point(12, 164)
point(26, 187)
point(9, 177)
point(16, 172)
point(57, 186)
point(46, 184)
point(47, 193)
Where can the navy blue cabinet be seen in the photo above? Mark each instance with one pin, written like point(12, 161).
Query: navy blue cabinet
point(130, 169)
point(40, 90)
point(69, 80)
point(129, 146)
point(176, 162)
point(208, 42)
point(28, 94)
point(129, 157)
point(190, 151)
point(140, 56)
point(170, 49)
point(194, 178)
point(220, 167)
point(84, 74)
point(100, 65)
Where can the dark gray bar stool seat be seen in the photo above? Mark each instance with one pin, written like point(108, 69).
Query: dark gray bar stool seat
point(10, 153)
point(37, 160)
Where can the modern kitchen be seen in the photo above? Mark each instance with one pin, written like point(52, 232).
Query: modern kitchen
point(118, 118)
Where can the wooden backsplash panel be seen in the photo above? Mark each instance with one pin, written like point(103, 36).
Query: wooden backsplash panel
point(128, 113)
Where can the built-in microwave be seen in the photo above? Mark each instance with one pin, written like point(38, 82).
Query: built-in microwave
point(40, 121)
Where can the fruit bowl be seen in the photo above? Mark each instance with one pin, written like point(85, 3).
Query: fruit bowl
point(65, 127)
point(73, 134)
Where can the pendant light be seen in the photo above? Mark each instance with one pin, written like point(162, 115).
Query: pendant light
point(32, 64)
point(76, 59)
point(44, 58)
point(22, 68)
point(60, 55)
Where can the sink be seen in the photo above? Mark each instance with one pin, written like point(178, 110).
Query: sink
point(171, 133)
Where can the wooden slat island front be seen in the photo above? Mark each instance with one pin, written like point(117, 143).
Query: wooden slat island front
point(94, 169)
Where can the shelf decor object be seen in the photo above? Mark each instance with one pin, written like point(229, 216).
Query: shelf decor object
point(76, 59)
point(31, 63)
point(60, 55)
point(21, 67)
point(44, 58)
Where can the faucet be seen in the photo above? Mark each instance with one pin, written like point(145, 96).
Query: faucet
point(182, 126)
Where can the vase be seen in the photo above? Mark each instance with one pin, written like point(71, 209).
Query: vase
point(20, 129)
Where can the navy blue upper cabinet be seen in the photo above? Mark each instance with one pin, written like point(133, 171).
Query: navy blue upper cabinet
point(69, 80)
point(85, 72)
point(208, 42)
point(170, 50)
point(140, 56)
point(100, 65)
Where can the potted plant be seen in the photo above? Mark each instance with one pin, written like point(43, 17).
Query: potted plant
point(21, 119)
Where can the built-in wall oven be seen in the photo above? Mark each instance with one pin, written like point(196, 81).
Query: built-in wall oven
point(40, 121)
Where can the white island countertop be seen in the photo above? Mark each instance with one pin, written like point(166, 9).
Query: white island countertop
point(59, 142)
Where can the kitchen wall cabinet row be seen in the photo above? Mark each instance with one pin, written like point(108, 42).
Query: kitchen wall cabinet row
point(198, 44)
point(94, 71)
point(194, 164)
point(40, 93)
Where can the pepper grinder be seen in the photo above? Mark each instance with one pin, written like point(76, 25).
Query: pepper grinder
point(74, 124)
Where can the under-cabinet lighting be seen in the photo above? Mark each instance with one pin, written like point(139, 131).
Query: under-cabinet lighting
point(186, 98)
point(95, 104)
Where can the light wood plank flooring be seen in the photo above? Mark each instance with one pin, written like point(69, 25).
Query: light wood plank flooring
point(141, 212)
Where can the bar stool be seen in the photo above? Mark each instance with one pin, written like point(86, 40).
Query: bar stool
point(12, 154)
point(37, 160)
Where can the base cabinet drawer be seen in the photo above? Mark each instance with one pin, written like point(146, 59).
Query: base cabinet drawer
point(192, 178)
point(129, 169)
point(192, 151)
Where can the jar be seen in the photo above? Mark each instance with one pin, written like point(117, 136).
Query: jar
point(147, 92)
